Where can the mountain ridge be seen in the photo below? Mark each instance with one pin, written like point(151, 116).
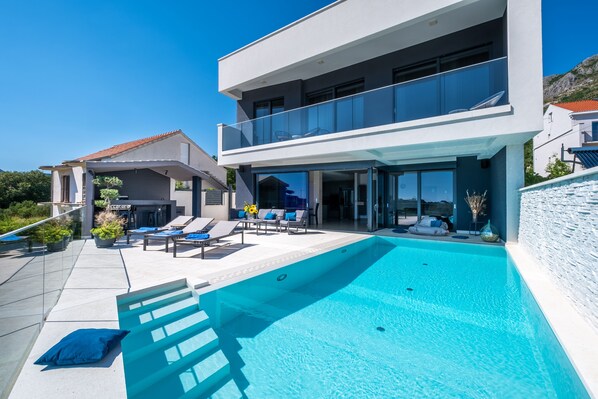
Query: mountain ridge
point(580, 83)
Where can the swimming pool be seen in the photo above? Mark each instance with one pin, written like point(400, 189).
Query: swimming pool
point(387, 318)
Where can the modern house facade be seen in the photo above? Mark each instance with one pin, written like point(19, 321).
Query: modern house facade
point(570, 131)
point(149, 169)
point(375, 114)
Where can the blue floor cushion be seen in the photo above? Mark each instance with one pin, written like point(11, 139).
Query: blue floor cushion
point(460, 237)
point(86, 345)
point(197, 236)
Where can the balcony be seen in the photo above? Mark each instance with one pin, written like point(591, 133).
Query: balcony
point(474, 87)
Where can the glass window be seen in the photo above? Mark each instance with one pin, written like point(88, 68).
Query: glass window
point(437, 193)
point(594, 131)
point(265, 127)
point(282, 190)
point(185, 149)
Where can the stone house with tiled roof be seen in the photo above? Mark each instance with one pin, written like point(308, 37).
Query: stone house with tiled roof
point(149, 168)
point(567, 127)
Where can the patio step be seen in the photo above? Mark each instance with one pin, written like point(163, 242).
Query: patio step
point(167, 354)
point(181, 377)
point(143, 339)
point(130, 321)
point(172, 351)
point(154, 302)
point(150, 292)
point(229, 390)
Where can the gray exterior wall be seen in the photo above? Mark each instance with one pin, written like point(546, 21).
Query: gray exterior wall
point(378, 72)
point(244, 182)
point(497, 206)
point(141, 185)
point(472, 176)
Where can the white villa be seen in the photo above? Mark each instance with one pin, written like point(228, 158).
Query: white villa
point(570, 132)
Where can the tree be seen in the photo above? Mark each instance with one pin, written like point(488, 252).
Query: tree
point(109, 191)
point(231, 175)
point(557, 168)
point(531, 177)
point(22, 186)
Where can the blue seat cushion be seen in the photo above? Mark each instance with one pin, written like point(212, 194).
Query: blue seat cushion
point(86, 345)
point(169, 233)
point(242, 215)
point(12, 237)
point(290, 216)
point(147, 229)
point(270, 216)
point(197, 236)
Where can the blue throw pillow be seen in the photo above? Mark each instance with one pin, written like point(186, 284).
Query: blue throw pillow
point(87, 345)
point(270, 216)
point(242, 215)
point(197, 236)
point(290, 216)
point(436, 223)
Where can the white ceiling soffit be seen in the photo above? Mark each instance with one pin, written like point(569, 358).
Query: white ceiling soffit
point(248, 69)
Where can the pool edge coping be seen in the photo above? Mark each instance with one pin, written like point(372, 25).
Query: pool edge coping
point(577, 338)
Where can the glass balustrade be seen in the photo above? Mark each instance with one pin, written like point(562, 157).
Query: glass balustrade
point(474, 87)
point(35, 262)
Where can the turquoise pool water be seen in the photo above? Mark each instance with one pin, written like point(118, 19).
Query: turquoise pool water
point(391, 318)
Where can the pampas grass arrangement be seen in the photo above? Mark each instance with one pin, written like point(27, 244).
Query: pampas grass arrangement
point(477, 203)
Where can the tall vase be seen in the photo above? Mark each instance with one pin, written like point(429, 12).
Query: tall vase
point(474, 216)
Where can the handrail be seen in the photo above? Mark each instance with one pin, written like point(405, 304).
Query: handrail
point(39, 223)
point(366, 92)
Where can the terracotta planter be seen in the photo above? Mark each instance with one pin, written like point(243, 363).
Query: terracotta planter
point(104, 243)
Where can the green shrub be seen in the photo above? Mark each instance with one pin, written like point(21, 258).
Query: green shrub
point(53, 231)
point(109, 225)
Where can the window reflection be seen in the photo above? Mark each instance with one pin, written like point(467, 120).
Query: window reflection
point(282, 190)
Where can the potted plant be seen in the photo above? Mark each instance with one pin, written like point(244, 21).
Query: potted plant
point(55, 234)
point(109, 226)
point(250, 210)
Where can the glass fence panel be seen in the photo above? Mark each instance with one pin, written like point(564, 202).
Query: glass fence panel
point(35, 262)
point(470, 88)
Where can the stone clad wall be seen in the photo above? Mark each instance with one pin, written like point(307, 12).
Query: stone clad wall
point(559, 227)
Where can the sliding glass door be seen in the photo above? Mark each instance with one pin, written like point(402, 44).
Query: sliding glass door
point(415, 194)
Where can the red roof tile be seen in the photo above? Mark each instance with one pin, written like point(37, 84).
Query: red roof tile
point(580, 106)
point(120, 148)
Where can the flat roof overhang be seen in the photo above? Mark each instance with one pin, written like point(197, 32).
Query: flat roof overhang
point(169, 168)
point(342, 34)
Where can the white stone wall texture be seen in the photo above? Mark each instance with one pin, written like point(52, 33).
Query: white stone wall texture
point(559, 227)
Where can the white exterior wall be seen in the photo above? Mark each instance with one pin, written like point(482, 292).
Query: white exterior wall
point(561, 127)
point(75, 189)
point(558, 228)
point(170, 149)
point(481, 132)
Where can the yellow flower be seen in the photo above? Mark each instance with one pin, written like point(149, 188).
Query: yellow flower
point(253, 209)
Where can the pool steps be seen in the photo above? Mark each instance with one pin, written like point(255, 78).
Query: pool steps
point(172, 351)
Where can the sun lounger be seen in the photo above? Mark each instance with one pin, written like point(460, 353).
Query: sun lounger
point(220, 230)
point(196, 226)
point(179, 220)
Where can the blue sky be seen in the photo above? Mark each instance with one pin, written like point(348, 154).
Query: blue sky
point(80, 76)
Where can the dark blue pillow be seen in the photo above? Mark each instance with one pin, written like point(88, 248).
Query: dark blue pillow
point(242, 215)
point(270, 216)
point(436, 223)
point(87, 345)
point(291, 216)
